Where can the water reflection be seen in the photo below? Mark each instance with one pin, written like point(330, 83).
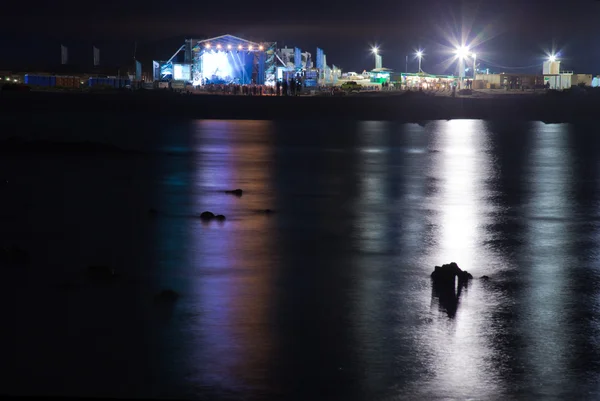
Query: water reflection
point(230, 267)
point(547, 258)
point(462, 167)
point(374, 203)
point(315, 279)
point(328, 298)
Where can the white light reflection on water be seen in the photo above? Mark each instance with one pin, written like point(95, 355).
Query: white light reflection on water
point(371, 241)
point(547, 259)
point(459, 349)
point(372, 206)
point(413, 233)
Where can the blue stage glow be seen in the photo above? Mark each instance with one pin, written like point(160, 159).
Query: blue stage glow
point(223, 67)
point(166, 71)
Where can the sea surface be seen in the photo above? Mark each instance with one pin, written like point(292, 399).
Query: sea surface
point(328, 297)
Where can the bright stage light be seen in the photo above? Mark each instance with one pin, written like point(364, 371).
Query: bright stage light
point(260, 47)
point(207, 45)
point(217, 64)
point(218, 46)
point(240, 47)
point(462, 52)
point(250, 47)
point(228, 47)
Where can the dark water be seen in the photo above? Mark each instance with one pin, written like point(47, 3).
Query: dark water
point(329, 297)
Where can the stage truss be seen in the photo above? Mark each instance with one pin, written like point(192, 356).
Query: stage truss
point(228, 59)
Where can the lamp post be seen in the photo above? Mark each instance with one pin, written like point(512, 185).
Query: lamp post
point(420, 56)
point(461, 52)
point(474, 66)
point(375, 51)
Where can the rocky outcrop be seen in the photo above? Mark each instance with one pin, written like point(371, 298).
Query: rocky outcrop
point(210, 216)
point(235, 192)
point(446, 275)
point(444, 286)
point(207, 216)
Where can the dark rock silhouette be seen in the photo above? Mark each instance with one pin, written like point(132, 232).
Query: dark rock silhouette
point(445, 275)
point(237, 192)
point(210, 216)
point(485, 278)
point(14, 255)
point(207, 216)
point(444, 286)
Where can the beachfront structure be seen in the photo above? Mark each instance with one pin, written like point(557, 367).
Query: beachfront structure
point(423, 80)
point(551, 67)
point(218, 60)
point(228, 59)
point(508, 81)
point(380, 75)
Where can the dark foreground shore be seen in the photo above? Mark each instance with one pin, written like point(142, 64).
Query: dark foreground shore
point(410, 107)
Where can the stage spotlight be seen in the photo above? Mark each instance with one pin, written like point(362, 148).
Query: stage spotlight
point(240, 47)
point(207, 45)
point(260, 47)
point(228, 47)
point(218, 46)
point(250, 47)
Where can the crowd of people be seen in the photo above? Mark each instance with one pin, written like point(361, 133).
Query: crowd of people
point(295, 87)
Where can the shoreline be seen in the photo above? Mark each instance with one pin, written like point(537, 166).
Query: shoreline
point(402, 107)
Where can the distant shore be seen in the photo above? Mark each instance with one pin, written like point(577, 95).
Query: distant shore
point(402, 107)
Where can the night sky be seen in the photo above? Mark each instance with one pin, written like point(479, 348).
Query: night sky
point(508, 35)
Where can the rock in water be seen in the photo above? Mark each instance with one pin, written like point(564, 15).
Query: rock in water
point(206, 216)
point(444, 288)
point(445, 275)
point(236, 192)
point(220, 218)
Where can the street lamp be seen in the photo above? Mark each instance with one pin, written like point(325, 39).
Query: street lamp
point(461, 52)
point(552, 58)
point(375, 51)
point(420, 56)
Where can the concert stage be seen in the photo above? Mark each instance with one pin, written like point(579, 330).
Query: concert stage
point(224, 59)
